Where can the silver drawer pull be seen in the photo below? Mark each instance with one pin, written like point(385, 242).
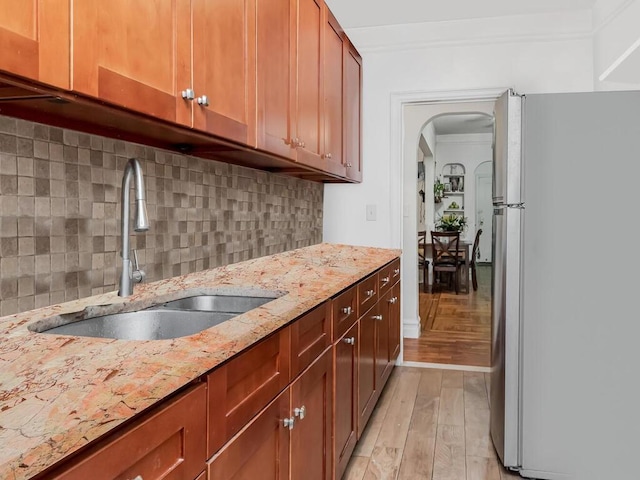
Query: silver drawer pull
point(377, 317)
point(300, 412)
point(385, 280)
point(289, 422)
point(139, 477)
point(370, 293)
point(350, 341)
point(393, 300)
point(396, 271)
point(346, 310)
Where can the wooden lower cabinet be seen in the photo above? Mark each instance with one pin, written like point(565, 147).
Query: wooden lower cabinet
point(266, 449)
point(345, 418)
point(312, 410)
point(367, 367)
point(260, 450)
point(168, 443)
point(394, 322)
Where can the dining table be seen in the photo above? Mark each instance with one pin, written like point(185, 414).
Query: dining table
point(464, 247)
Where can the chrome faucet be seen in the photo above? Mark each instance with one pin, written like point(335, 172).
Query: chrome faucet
point(131, 273)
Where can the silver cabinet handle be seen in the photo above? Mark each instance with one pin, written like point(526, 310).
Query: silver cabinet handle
point(346, 310)
point(188, 94)
point(350, 341)
point(328, 156)
point(302, 144)
point(349, 165)
point(370, 293)
point(294, 142)
point(289, 422)
point(385, 280)
point(393, 300)
point(377, 317)
point(203, 100)
point(396, 271)
point(139, 477)
point(300, 412)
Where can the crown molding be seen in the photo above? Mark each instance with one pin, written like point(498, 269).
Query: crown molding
point(557, 27)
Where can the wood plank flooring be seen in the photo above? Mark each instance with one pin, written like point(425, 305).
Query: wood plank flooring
point(429, 425)
point(456, 329)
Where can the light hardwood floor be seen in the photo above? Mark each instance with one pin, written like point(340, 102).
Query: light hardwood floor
point(429, 425)
point(456, 329)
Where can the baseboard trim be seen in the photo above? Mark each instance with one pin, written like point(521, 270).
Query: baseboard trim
point(446, 366)
point(411, 330)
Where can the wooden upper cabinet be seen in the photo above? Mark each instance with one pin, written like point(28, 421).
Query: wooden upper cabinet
point(333, 95)
point(274, 19)
point(309, 71)
point(352, 112)
point(34, 35)
point(135, 54)
point(224, 69)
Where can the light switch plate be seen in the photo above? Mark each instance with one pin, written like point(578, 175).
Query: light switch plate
point(371, 213)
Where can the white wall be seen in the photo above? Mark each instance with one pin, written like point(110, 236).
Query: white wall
point(526, 60)
point(617, 44)
point(488, 54)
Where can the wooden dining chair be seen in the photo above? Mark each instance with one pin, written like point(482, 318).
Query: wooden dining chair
point(423, 263)
point(446, 256)
point(472, 263)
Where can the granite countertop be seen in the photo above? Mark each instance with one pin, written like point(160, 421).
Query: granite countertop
point(58, 393)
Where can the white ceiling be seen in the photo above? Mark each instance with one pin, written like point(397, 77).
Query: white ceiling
point(368, 13)
point(463, 123)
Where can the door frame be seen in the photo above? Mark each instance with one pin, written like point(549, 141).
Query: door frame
point(478, 176)
point(410, 325)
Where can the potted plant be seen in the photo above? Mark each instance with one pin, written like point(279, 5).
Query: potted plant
point(438, 191)
point(451, 223)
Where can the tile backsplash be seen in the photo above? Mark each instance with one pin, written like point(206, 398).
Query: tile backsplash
point(60, 214)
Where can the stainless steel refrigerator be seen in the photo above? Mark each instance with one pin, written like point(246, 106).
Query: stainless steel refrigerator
point(565, 381)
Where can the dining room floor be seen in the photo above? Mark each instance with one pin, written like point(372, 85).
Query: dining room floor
point(456, 329)
point(429, 424)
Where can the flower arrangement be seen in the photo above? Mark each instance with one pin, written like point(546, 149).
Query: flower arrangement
point(451, 223)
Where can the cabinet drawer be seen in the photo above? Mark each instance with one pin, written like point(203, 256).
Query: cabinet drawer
point(310, 336)
point(367, 293)
point(245, 385)
point(168, 443)
point(345, 312)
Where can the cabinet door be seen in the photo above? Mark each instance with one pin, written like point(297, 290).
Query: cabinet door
point(394, 322)
point(274, 88)
point(135, 54)
point(366, 366)
point(35, 38)
point(332, 131)
point(242, 387)
point(383, 352)
point(224, 68)
point(309, 82)
point(312, 407)
point(260, 450)
point(169, 443)
point(345, 419)
point(352, 112)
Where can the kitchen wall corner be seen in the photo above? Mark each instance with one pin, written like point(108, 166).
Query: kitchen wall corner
point(60, 211)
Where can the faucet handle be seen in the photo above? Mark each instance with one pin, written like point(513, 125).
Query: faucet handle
point(137, 275)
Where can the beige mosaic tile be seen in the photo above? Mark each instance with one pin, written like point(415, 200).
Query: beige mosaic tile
point(60, 211)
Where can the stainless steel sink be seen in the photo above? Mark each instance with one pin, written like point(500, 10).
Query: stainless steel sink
point(177, 318)
point(143, 325)
point(217, 303)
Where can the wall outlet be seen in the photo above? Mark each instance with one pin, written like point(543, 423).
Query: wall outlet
point(371, 213)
